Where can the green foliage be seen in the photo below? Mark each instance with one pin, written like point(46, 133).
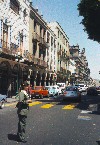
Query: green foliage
point(90, 10)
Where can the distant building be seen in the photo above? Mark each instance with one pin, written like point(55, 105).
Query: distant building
point(82, 74)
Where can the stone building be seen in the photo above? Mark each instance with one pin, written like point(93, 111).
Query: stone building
point(14, 39)
point(26, 47)
point(62, 49)
point(82, 74)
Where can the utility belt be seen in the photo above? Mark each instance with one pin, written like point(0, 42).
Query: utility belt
point(22, 105)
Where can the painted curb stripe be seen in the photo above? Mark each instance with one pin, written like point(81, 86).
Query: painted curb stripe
point(47, 106)
point(34, 103)
point(69, 107)
point(10, 104)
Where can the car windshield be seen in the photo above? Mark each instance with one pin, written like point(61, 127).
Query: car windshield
point(37, 88)
point(71, 88)
point(81, 85)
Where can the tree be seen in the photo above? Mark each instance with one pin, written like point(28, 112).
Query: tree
point(90, 10)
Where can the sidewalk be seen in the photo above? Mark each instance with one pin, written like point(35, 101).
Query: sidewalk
point(10, 100)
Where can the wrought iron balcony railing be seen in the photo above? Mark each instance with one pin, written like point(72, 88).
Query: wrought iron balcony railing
point(36, 37)
point(12, 49)
point(8, 48)
point(37, 61)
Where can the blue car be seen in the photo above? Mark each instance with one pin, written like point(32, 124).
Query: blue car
point(3, 99)
point(72, 92)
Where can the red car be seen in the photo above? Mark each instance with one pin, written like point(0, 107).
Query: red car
point(39, 92)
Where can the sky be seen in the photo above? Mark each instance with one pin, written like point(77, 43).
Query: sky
point(66, 14)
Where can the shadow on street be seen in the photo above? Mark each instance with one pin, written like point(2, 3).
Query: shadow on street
point(98, 142)
point(89, 103)
point(12, 137)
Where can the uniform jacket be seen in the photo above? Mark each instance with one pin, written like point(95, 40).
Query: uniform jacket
point(22, 104)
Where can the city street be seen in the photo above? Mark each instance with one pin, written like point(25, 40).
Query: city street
point(54, 122)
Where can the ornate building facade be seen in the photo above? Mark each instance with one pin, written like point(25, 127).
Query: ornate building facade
point(14, 39)
point(62, 47)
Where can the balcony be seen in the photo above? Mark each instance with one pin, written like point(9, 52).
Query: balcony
point(43, 42)
point(14, 7)
point(36, 37)
point(8, 48)
point(63, 70)
point(41, 63)
point(36, 61)
point(59, 52)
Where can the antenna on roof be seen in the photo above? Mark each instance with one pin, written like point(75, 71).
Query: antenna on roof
point(36, 9)
point(31, 2)
point(41, 14)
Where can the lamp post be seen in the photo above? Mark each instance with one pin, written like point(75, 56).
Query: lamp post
point(18, 59)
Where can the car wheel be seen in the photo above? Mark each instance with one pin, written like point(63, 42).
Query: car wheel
point(41, 96)
point(2, 104)
point(79, 99)
point(48, 96)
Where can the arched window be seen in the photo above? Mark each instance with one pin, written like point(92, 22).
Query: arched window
point(14, 5)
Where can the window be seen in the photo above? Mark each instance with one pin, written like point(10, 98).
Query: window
point(21, 39)
point(34, 48)
point(14, 5)
point(48, 37)
point(5, 35)
point(40, 31)
point(58, 33)
point(51, 41)
point(34, 26)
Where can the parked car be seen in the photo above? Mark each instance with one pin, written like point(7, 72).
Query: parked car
point(3, 99)
point(72, 92)
point(56, 89)
point(52, 91)
point(92, 91)
point(39, 92)
point(61, 86)
point(82, 87)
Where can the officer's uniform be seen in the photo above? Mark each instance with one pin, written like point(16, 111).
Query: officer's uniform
point(22, 111)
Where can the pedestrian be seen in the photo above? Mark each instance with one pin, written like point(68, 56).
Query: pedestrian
point(23, 108)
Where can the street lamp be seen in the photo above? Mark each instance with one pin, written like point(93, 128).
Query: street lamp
point(18, 59)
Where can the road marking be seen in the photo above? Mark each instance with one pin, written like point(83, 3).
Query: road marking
point(85, 111)
point(10, 104)
point(84, 117)
point(35, 103)
point(69, 107)
point(46, 106)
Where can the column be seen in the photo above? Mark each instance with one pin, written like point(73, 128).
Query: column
point(30, 71)
point(0, 33)
point(45, 79)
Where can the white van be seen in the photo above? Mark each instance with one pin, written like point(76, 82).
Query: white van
point(61, 85)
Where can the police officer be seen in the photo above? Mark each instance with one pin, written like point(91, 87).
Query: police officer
point(23, 107)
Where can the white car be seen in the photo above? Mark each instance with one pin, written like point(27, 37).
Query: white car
point(58, 89)
point(53, 90)
point(82, 87)
point(62, 86)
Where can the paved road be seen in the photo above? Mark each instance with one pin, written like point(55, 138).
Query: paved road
point(54, 122)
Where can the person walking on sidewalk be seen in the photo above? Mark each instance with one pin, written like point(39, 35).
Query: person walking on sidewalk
point(23, 108)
